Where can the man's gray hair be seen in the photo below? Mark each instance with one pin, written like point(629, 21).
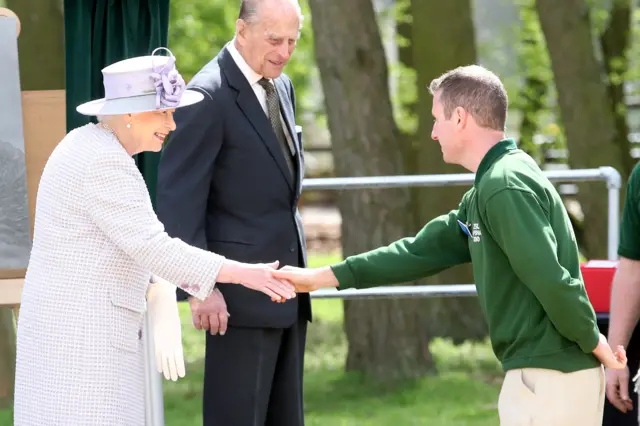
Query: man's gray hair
point(476, 89)
point(249, 10)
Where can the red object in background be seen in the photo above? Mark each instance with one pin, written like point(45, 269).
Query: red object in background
point(598, 275)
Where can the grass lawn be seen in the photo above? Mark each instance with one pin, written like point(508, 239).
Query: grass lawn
point(463, 394)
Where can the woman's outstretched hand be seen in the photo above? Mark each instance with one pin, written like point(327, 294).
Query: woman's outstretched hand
point(257, 277)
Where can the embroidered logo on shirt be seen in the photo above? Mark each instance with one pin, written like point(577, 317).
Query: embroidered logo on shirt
point(474, 233)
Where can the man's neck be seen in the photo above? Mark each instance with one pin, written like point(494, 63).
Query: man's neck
point(479, 146)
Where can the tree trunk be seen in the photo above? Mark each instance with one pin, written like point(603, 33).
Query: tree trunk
point(594, 136)
point(435, 23)
point(614, 43)
point(533, 65)
point(387, 338)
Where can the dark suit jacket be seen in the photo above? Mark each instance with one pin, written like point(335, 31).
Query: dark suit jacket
point(223, 185)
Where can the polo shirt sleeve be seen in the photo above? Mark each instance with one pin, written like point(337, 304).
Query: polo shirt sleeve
point(629, 245)
point(519, 224)
point(441, 244)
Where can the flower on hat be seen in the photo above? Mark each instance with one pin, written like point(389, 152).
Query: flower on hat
point(169, 84)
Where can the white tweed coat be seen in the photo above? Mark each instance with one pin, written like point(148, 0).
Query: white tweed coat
point(96, 243)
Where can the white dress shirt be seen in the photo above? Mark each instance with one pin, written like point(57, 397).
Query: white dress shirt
point(253, 78)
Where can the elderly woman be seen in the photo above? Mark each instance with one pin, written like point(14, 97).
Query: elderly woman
point(97, 247)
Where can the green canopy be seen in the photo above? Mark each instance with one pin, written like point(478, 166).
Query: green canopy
point(99, 33)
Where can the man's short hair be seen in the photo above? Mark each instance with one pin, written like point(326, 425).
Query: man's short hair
point(476, 89)
point(249, 11)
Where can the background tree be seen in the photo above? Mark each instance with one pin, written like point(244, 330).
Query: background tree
point(435, 23)
point(589, 81)
point(387, 338)
point(532, 99)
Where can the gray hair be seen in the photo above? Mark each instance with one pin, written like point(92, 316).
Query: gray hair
point(476, 89)
point(249, 10)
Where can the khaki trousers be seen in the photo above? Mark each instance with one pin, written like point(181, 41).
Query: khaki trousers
point(540, 397)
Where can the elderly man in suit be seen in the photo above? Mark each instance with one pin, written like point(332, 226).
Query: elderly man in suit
point(229, 181)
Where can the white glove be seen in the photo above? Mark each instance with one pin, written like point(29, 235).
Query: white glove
point(166, 328)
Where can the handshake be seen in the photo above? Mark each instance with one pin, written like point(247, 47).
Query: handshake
point(279, 284)
point(211, 314)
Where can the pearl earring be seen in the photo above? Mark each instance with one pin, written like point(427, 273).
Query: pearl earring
point(128, 125)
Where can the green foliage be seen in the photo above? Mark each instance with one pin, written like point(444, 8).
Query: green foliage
point(534, 67)
point(198, 29)
point(405, 95)
point(600, 15)
point(634, 51)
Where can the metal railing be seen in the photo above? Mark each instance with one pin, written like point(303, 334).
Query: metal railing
point(606, 174)
point(154, 398)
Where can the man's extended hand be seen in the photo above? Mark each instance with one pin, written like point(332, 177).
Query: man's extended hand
point(618, 389)
point(257, 277)
point(613, 360)
point(306, 280)
point(210, 314)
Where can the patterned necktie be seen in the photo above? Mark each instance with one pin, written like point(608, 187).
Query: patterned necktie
point(273, 106)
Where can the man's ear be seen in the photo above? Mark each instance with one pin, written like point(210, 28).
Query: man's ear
point(461, 116)
point(241, 26)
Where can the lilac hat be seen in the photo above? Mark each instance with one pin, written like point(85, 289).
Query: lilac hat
point(142, 84)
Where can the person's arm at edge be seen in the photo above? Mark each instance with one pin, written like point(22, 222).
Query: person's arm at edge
point(625, 302)
point(518, 222)
point(625, 288)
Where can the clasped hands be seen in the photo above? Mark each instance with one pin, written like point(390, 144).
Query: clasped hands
point(212, 314)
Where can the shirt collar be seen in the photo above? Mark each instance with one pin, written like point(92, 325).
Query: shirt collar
point(496, 151)
point(251, 76)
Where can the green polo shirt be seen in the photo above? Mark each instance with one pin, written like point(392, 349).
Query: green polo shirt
point(513, 227)
point(629, 246)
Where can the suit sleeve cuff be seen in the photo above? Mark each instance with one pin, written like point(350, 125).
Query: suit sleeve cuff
point(344, 275)
point(182, 295)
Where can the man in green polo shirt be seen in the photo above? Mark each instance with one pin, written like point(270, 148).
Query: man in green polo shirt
point(625, 291)
point(513, 227)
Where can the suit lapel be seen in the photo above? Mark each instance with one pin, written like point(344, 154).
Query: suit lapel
point(290, 123)
point(254, 113)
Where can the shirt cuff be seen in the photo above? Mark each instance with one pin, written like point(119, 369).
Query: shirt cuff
point(590, 342)
point(344, 275)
